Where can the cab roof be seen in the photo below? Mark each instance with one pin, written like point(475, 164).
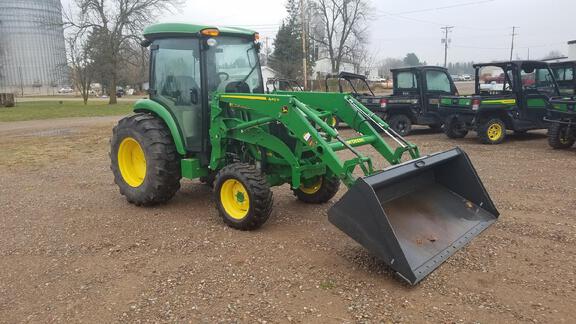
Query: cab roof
point(185, 29)
point(419, 67)
point(507, 63)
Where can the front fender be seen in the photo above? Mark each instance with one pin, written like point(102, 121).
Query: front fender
point(150, 106)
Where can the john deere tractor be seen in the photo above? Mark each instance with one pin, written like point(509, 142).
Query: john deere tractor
point(509, 96)
point(208, 118)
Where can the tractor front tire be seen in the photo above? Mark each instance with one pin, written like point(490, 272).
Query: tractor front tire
point(559, 136)
point(492, 131)
point(243, 196)
point(144, 160)
point(455, 128)
point(401, 124)
point(319, 191)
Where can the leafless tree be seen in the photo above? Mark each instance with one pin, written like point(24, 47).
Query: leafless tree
point(81, 66)
point(118, 25)
point(340, 28)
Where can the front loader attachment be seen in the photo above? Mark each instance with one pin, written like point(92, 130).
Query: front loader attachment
point(417, 214)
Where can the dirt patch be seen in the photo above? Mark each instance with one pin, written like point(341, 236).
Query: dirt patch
point(72, 249)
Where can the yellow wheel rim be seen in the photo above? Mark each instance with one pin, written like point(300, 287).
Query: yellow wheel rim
point(132, 162)
point(333, 121)
point(311, 189)
point(234, 199)
point(495, 132)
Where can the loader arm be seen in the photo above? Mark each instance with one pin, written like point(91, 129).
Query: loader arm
point(244, 118)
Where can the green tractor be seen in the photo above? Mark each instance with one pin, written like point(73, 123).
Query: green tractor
point(562, 119)
point(208, 118)
point(508, 96)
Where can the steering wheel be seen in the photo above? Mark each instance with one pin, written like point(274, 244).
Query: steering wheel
point(224, 74)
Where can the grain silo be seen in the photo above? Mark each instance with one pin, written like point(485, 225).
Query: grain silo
point(32, 50)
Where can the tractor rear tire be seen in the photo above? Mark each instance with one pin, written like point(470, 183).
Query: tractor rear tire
point(559, 136)
point(243, 196)
point(144, 160)
point(319, 192)
point(492, 131)
point(401, 124)
point(454, 128)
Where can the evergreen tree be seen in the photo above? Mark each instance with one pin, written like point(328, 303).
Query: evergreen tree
point(286, 59)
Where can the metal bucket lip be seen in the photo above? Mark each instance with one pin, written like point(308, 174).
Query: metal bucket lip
point(434, 262)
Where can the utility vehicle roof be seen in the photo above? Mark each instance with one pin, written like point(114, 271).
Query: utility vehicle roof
point(192, 30)
point(419, 67)
point(506, 63)
point(565, 63)
point(346, 75)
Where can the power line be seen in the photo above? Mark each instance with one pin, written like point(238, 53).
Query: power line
point(444, 7)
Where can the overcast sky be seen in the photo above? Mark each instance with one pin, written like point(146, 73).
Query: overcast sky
point(481, 30)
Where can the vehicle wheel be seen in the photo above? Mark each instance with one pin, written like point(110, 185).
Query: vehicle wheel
point(333, 121)
point(401, 124)
point(144, 160)
point(492, 132)
point(317, 191)
point(243, 196)
point(559, 136)
point(455, 128)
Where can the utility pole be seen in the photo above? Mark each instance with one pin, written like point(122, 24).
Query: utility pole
point(512, 43)
point(446, 40)
point(304, 52)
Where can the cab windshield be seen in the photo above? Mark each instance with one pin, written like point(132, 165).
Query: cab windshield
point(233, 65)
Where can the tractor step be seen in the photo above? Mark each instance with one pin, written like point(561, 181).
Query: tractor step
point(417, 214)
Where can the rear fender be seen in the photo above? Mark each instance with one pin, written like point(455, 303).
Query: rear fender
point(150, 106)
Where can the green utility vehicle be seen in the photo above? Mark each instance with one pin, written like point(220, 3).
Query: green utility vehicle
point(415, 97)
point(208, 117)
point(508, 96)
point(562, 119)
point(360, 87)
point(564, 74)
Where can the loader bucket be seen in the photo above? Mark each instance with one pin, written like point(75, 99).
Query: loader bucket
point(417, 214)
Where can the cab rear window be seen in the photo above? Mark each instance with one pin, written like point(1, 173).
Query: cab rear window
point(406, 80)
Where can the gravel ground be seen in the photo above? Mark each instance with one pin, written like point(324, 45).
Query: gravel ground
point(72, 249)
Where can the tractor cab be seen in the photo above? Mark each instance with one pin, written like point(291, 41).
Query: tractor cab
point(188, 63)
point(508, 96)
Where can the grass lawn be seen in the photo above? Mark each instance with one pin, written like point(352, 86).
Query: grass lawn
point(35, 110)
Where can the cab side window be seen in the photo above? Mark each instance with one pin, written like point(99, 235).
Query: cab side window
point(438, 81)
